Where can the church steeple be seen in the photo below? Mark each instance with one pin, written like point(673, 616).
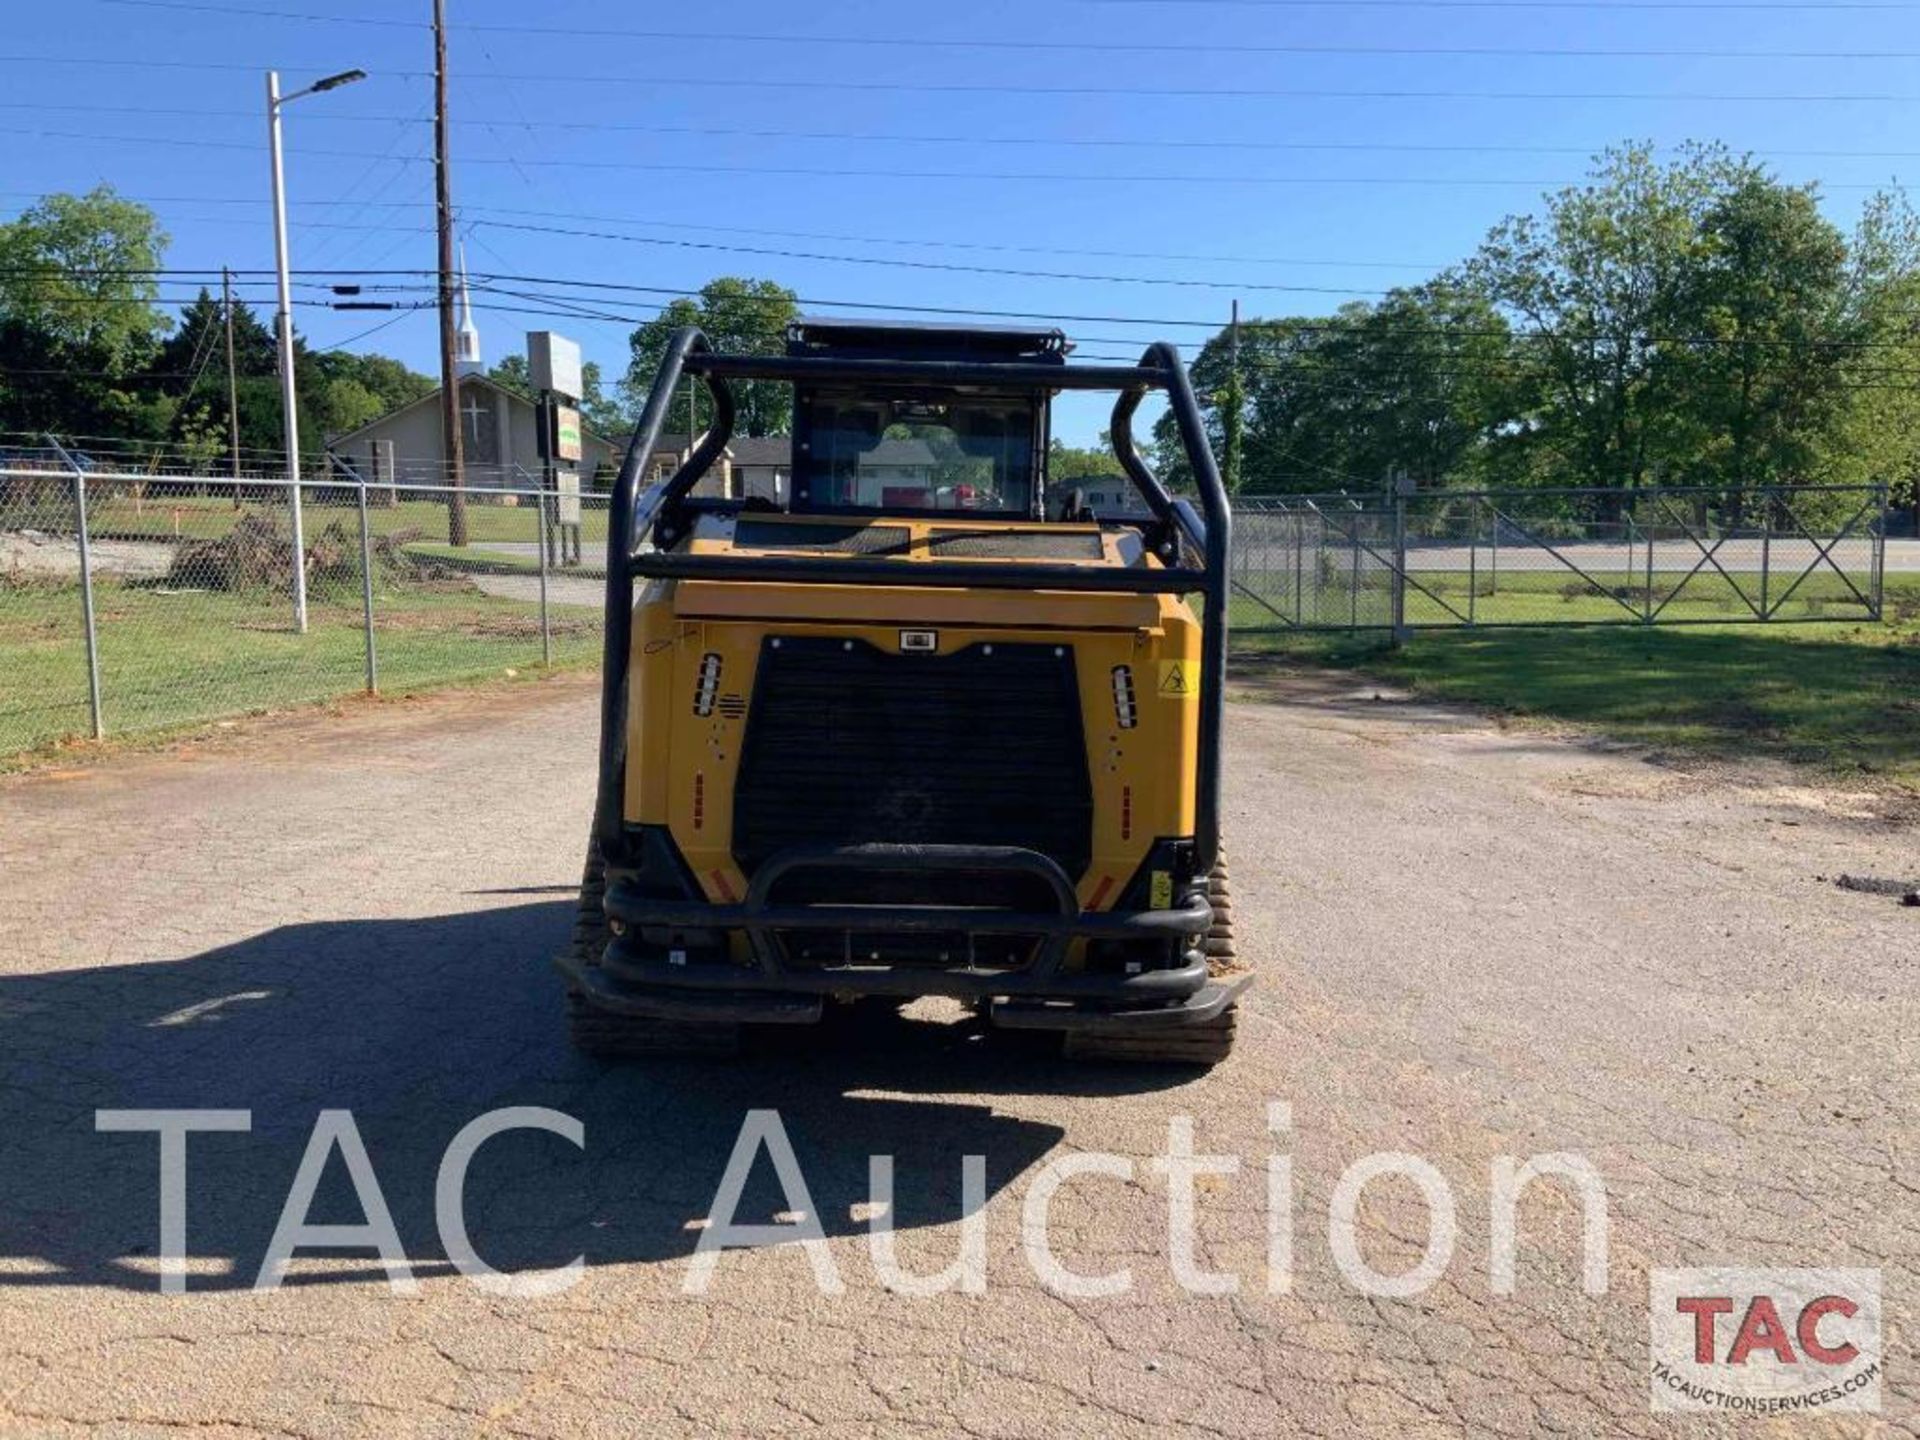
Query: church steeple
point(466, 348)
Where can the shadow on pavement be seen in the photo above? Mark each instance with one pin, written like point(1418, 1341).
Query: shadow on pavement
point(418, 1027)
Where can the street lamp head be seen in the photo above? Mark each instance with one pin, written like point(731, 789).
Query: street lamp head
point(334, 82)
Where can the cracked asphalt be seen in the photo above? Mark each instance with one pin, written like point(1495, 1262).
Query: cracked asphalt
point(1472, 943)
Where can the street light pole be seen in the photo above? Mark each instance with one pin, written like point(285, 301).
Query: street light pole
point(284, 323)
point(283, 326)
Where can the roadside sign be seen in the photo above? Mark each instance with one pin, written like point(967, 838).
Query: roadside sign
point(553, 363)
point(566, 433)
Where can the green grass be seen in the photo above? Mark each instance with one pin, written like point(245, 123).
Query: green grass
point(1843, 697)
point(181, 658)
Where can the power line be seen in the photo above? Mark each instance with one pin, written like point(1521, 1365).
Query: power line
point(1080, 46)
point(894, 262)
point(1127, 92)
point(252, 14)
point(96, 374)
point(849, 172)
point(1253, 328)
point(1139, 142)
point(402, 131)
point(1677, 6)
point(1440, 333)
point(370, 330)
point(1187, 257)
point(223, 200)
point(1650, 6)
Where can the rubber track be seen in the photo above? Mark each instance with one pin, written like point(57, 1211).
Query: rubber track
point(1207, 1043)
point(606, 1035)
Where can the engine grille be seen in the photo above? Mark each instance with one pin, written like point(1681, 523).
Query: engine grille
point(757, 534)
point(1016, 545)
point(850, 746)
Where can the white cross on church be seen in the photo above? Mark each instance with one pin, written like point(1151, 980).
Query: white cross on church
point(474, 412)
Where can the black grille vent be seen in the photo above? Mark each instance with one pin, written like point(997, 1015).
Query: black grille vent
point(1016, 545)
point(841, 539)
point(848, 746)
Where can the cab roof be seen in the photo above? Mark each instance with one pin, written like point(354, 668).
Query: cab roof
point(896, 340)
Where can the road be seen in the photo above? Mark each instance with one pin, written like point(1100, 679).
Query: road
point(578, 590)
point(1473, 943)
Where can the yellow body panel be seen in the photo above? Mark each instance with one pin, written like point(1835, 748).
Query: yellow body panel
point(1035, 610)
point(681, 765)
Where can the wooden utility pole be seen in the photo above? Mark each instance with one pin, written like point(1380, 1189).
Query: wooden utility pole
point(1236, 401)
point(443, 201)
point(233, 388)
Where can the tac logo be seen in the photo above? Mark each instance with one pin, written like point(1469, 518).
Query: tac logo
point(1766, 1342)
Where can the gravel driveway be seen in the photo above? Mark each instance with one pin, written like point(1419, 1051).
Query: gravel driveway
point(35, 552)
point(1473, 944)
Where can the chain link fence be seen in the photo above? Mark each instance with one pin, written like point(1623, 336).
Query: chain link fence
point(138, 602)
point(140, 591)
point(1668, 556)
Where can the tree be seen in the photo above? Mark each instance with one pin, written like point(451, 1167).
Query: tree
point(1291, 406)
point(192, 369)
point(511, 371)
point(78, 322)
point(1763, 370)
point(740, 317)
point(1067, 464)
point(1877, 435)
point(80, 268)
point(1422, 381)
point(1687, 322)
point(1601, 284)
point(1231, 401)
point(603, 413)
point(1432, 382)
point(341, 391)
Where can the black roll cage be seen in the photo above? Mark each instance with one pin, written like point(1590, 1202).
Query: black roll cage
point(643, 528)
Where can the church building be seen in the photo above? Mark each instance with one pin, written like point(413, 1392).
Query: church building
point(499, 437)
point(500, 447)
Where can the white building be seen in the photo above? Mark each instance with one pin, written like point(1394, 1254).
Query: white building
point(499, 442)
point(499, 432)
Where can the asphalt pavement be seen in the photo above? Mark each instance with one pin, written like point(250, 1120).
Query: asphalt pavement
point(1472, 944)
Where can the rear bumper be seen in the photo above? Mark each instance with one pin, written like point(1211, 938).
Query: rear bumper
point(637, 978)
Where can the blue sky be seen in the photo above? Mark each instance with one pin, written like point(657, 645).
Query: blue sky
point(640, 136)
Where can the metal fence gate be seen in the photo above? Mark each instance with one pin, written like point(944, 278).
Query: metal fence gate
point(1666, 556)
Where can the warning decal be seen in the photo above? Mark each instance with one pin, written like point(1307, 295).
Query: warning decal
point(1179, 680)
